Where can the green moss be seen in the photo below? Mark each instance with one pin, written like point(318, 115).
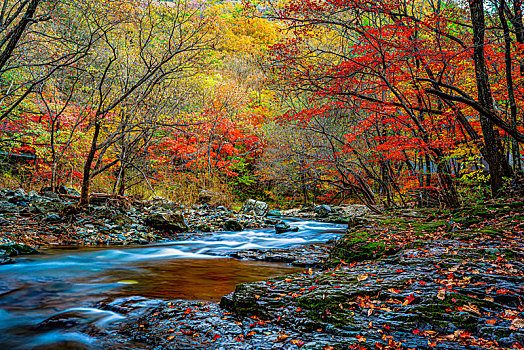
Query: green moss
point(491, 231)
point(327, 309)
point(434, 312)
point(428, 227)
point(395, 221)
point(339, 220)
point(15, 249)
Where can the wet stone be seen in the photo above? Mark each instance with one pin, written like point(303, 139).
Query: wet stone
point(232, 225)
point(7, 207)
point(256, 207)
point(323, 210)
point(283, 227)
point(170, 222)
point(10, 250)
point(274, 212)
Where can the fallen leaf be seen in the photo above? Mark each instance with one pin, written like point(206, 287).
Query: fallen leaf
point(362, 277)
point(127, 282)
point(281, 337)
point(297, 342)
point(491, 322)
point(454, 268)
point(441, 294)
point(474, 309)
point(517, 323)
point(408, 300)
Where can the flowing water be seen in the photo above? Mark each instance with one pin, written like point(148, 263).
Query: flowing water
point(61, 280)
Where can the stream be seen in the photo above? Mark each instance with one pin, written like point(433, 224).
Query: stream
point(64, 280)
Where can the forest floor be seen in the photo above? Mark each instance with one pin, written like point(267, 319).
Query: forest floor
point(448, 280)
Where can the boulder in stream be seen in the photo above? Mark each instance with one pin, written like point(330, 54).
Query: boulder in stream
point(282, 227)
point(323, 210)
point(274, 212)
point(172, 222)
point(6, 207)
point(232, 225)
point(67, 191)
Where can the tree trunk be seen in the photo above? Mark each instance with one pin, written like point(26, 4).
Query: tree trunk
point(122, 187)
point(498, 163)
point(86, 179)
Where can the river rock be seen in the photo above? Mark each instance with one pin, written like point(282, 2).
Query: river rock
point(203, 228)
point(323, 210)
point(68, 191)
point(274, 212)
point(172, 222)
point(232, 225)
point(283, 227)
point(32, 195)
point(222, 209)
point(14, 249)
point(47, 205)
point(48, 192)
point(6, 207)
point(104, 212)
point(122, 219)
point(256, 207)
point(358, 221)
point(6, 261)
point(19, 197)
point(52, 218)
point(211, 198)
point(4, 222)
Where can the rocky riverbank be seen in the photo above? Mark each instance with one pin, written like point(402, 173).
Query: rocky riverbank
point(48, 219)
point(53, 219)
point(447, 281)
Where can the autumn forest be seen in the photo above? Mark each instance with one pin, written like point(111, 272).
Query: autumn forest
point(387, 103)
point(376, 143)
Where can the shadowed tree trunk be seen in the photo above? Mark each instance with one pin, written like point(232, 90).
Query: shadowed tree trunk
point(498, 163)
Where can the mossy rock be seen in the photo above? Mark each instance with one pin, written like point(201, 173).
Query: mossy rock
point(430, 227)
point(171, 222)
point(204, 228)
point(491, 231)
point(232, 225)
point(359, 246)
point(14, 249)
point(326, 307)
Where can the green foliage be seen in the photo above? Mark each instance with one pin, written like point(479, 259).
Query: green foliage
point(474, 186)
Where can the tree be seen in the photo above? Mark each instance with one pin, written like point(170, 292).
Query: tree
point(128, 64)
point(402, 67)
point(37, 40)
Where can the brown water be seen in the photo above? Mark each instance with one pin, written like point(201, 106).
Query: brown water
point(198, 279)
